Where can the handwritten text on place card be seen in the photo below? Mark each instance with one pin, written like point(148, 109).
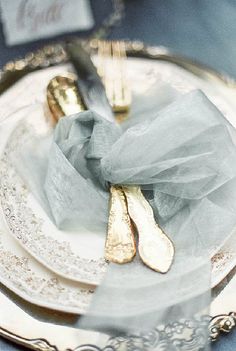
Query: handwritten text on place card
point(28, 20)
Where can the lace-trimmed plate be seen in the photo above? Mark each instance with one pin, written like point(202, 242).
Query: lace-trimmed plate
point(34, 283)
point(77, 256)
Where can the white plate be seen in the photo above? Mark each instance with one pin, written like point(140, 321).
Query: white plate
point(79, 257)
point(30, 280)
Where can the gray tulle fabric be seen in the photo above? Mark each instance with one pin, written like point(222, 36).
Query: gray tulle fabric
point(179, 158)
point(184, 157)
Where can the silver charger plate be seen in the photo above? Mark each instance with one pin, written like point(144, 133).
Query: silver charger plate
point(184, 75)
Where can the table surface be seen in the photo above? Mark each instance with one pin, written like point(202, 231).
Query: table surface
point(203, 30)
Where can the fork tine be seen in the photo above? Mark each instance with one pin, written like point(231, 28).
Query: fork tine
point(111, 67)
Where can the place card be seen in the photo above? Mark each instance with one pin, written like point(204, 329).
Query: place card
point(29, 20)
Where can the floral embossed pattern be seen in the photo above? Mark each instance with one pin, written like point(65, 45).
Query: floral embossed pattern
point(186, 334)
point(18, 273)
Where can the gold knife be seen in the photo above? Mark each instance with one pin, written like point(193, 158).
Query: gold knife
point(63, 99)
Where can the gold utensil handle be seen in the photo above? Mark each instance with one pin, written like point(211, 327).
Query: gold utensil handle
point(155, 248)
point(120, 244)
point(63, 99)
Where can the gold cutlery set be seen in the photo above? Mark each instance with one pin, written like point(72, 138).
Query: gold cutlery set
point(129, 210)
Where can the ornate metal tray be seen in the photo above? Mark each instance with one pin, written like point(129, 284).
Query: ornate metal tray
point(46, 336)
